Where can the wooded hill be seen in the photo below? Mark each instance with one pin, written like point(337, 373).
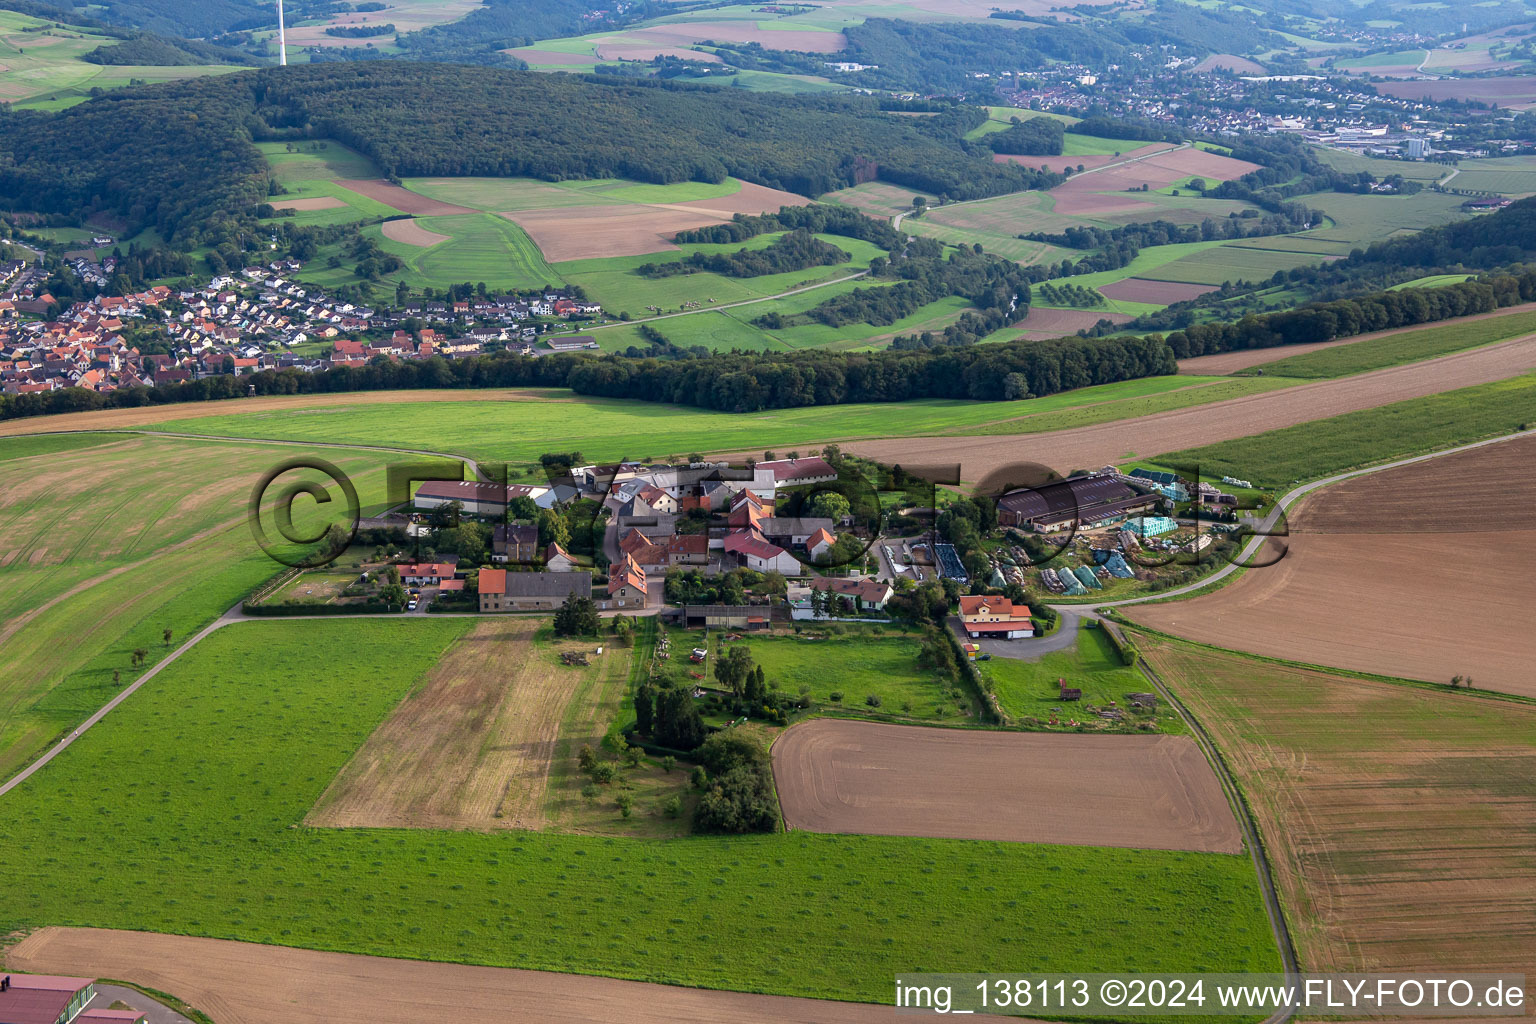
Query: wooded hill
point(179, 156)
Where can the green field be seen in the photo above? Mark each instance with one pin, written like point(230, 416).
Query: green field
point(1148, 263)
point(1433, 281)
point(614, 282)
point(236, 742)
point(481, 247)
point(856, 665)
point(1221, 263)
point(1073, 144)
point(1402, 347)
point(1352, 163)
point(1359, 220)
point(43, 70)
point(1309, 451)
point(522, 430)
point(1508, 175)
point(308, 162)
point(110, 539)
point(1028, 689)
point(501, 195)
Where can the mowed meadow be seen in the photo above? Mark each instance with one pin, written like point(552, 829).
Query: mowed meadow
point(521, 429)
point(108, 540)
point(181, 813)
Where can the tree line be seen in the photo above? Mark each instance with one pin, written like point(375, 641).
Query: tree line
point(1343, 318)
point(998, 288)
point(819, 219)
point(795, 250)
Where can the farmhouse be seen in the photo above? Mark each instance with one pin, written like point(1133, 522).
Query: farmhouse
point(514, 543)
point(427, 573)
point(995, 617)
point(794, 472)
point(794, 532)
point(870, 594)
point(503, 591)
point(1079, 501)
point(753, 551)
point(479, 498)
point(626, 584)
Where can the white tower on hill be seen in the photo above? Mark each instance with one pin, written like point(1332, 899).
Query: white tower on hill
point(282, 38)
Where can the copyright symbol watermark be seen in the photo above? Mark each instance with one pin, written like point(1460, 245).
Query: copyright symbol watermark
point(327, 533)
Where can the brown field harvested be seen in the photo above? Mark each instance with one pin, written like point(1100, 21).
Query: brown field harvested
point(1142, 792)
point(1231, 62)
point(1042, 324)
point(247, 983)
point(1156, 166)
point(411, 232)
point(650, 51)
point(150, 416)
point(1516, 91)
point(681, 34)
point(1018, 213)
point(1084, 203)
point(406, 17)
point(316, 203)
point(403, 199)
point(545, 58)
point(1163, 293)
point(630, 229)
point(1398, 819)
point(1424, 572)
point(1177, 429)
point(473, 747)
point(1058, 163)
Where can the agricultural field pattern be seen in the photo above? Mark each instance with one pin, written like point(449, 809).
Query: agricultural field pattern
point(766, 512)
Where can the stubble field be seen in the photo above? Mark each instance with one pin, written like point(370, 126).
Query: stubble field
point(1397, 818)
point(474, 746)
point(1148, 792)
point(1425, 572)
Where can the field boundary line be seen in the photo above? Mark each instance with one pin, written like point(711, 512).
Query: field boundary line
point(1294, 495)
point(729, 305)
point(1257, 851)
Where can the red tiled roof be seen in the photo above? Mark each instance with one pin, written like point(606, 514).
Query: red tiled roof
point(493, 581)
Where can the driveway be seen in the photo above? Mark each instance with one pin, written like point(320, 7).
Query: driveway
point(1031, 649)
point(106, 995)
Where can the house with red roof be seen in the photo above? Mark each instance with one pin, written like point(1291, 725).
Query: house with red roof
point(996, 618)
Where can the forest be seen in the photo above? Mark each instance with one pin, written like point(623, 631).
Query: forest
point(179, 156)
point(736, 381)
point(1344, 318)
point(1039, 136)
point(998, 288)
point(796, 250)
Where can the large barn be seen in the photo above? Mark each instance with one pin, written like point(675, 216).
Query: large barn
point(1078, 501)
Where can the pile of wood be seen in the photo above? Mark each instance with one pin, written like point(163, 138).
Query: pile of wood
point(574, 658)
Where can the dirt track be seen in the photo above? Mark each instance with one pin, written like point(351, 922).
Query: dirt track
point(1142, 792)
point(1105, 443)
point(246, 983)
point(1423, 572)
point(148, 416)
